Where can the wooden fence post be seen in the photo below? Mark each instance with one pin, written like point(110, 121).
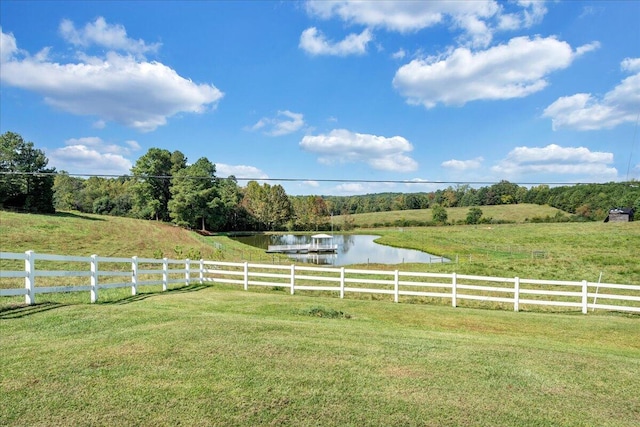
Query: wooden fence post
point(187, 274)
point(201, 271)
point(165, 274)
point(293, 277)
point(516, 294)
point(454, 289)
point(396, 286)
point(30, 278)
point(134, 275)
point(94, 278)
point(585, 289)
point(246, 276)
point(341, 282)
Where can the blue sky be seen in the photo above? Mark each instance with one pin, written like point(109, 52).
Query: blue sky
point(412, 93)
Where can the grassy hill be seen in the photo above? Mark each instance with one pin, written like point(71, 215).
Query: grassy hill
point(503, 213)
point(69, 233)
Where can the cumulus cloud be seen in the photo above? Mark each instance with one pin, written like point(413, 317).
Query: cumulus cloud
point(477, 20)
point(462, 165)
point(115, 87)
point(239, 171)
point(92, 153)
point(314, 42)
point(103, 34)
point(284, 123)
point(578, 162)
point(513, 70)
point(344, 146)
point(584, 111)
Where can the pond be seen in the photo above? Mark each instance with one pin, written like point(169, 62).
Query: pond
point(352, 249)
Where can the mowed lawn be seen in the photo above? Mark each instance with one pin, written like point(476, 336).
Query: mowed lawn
point(221, 356)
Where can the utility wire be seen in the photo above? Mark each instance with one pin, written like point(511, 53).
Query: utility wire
point(373, 181)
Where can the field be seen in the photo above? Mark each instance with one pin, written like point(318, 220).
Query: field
point(516, 213)
point(220, 356)
point(217, 355)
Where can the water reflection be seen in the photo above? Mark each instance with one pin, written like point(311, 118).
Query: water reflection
point(352, 249)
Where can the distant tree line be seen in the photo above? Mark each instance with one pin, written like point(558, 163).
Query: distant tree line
point(163, 186)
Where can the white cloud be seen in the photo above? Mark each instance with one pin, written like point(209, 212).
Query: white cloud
point(477, 19)
point(8, 46)
point(239, 171)
point(350, 188)
point(583, 111)
point(631, 65)
point(462, 165)
point(92, 154)
point(578, 162)
point(513, 70)
point(284, 123)
point(314, 42)
point(379, 152)
point(117, 88)
point(100, 33)
point(399, 54)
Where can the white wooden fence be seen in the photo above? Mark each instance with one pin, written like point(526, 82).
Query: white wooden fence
point(137, 272)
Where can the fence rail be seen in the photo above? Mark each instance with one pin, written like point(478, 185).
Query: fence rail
point(137, 272)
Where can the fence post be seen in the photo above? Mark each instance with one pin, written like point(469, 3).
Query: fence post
point(201, 271)
point(94, 278)
point(30, 278)
point(396, 286)
point(165, 274)
point(454, 289)
point(341, 282)
point(187, 272)
point(516, 294)
point(246, 276)
point(134, 275)
point(584, 296)
point(293, 277)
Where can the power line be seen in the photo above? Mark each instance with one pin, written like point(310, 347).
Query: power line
point(344, 180)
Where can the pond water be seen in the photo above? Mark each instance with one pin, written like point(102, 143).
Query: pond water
point(352, 249)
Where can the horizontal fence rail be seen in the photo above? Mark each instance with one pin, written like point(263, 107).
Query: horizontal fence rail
point(136, 272)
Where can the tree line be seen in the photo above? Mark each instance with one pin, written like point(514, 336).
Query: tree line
point(164, 186)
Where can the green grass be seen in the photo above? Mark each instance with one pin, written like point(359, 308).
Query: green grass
point(517, 213)
point(222, 356)
point(561, 251)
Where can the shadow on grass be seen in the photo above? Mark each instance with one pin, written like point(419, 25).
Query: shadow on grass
point(75, 215)
point(22, 310)
point(144, 295)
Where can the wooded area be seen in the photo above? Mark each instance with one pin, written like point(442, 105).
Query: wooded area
point(163, 186)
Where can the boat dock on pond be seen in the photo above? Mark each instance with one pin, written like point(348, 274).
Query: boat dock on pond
point(320, 243)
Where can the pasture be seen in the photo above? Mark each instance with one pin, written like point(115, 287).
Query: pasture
point(218, 355)
point(221, 356)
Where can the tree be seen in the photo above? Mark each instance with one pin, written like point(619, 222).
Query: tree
point(195, 200)
point(67, 192)
point(152, 192)
point(25, 181)
point(439, 214)
point(473, 216)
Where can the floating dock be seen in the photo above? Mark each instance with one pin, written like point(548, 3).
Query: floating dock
point(319, 244)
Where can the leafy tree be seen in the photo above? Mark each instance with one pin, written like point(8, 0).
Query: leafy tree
point(152, 192)
point(195, 198)
point(439, 214)
point(21, 184)
point(473, 216)
point(67, 192)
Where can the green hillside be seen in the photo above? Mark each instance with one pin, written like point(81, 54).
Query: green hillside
point(515, 213)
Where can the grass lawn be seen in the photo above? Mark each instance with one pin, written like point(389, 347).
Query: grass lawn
point(222, 356)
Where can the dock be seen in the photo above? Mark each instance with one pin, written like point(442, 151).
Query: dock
point(318, 245)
